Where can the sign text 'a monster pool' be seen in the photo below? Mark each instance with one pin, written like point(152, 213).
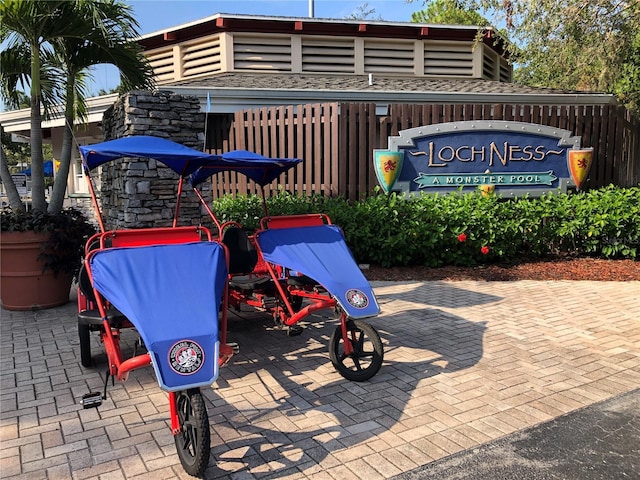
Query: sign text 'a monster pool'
point(510, 158)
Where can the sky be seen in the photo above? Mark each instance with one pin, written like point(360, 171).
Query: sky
point(154, 15)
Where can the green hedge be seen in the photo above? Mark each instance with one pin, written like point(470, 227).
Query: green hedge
point(466, 229)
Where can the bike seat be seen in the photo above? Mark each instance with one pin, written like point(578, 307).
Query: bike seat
point(92, 317)
point(300, 280)
point(249, 282)
point(243, 256)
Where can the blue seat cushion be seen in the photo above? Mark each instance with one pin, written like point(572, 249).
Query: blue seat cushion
point(321, 253)
point(171, 294)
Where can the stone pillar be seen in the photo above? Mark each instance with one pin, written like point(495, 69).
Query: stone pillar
point(141, 193)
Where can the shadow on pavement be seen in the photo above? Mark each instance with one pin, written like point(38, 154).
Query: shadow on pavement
point(598, 442)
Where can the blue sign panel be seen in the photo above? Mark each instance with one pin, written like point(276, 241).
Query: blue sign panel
point(512, 158)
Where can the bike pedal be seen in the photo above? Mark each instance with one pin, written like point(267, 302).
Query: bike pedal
point(269, 303)
point(91, 400)
point(294, 330)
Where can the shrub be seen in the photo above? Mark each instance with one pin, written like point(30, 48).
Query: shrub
point(466, 229)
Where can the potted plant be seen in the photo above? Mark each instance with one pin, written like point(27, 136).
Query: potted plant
point(40, 254)
point(48, 47)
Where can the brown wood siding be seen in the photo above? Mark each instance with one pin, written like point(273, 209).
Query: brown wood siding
point(336, 140)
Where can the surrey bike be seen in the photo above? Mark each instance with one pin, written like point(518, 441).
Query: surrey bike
point(170, 284)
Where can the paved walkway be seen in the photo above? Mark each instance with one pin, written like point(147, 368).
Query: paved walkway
point(466, 363)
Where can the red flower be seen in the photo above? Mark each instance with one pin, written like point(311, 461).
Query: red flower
point(462, 237)
point(484, 250)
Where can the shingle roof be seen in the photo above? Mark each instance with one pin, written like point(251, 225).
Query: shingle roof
point(360, 83)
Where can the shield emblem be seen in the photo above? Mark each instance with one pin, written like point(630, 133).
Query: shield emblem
point(387, 164)
point(579, 162)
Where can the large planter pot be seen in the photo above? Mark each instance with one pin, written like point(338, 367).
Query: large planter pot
point(23, 286)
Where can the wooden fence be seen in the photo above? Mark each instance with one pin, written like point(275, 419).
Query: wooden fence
point(310, 132)
point(336, 140)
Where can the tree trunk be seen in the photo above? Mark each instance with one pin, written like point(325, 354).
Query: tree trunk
point(37, 161)
point(60, 184)
point(15, 202)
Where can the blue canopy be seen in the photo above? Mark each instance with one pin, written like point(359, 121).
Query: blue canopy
point(48, 169)
point(181, 159)
point(187, 161)
point(260, 169)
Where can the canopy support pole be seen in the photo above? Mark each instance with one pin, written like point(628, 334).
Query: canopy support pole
point(175, 216)
point(264, 201)
point(209, 211)
point(94, 199)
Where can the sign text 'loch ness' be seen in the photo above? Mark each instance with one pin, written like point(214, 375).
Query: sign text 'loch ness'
point(511, 158)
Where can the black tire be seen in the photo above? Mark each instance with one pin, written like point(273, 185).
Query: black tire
point(367, 356)
point(85, 345)
point(193, 443)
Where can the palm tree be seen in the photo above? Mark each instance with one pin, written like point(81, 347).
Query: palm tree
point(110, 45)
point(70, 36)
point(29, 25)
point(15, 79)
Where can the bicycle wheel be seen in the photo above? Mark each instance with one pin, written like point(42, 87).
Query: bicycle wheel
point(366, 358)
point(193, 442)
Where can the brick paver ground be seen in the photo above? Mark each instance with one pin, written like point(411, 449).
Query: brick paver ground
point(465, 363)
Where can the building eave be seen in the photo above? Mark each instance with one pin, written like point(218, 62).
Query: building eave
point(269, 97)
point(230, 100)
point(20, 120)
point(221, 22)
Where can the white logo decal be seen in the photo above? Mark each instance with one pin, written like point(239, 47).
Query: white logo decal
point(186, 357)
point(357, 298)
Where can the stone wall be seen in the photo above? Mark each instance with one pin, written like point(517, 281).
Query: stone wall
point(141, 193)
